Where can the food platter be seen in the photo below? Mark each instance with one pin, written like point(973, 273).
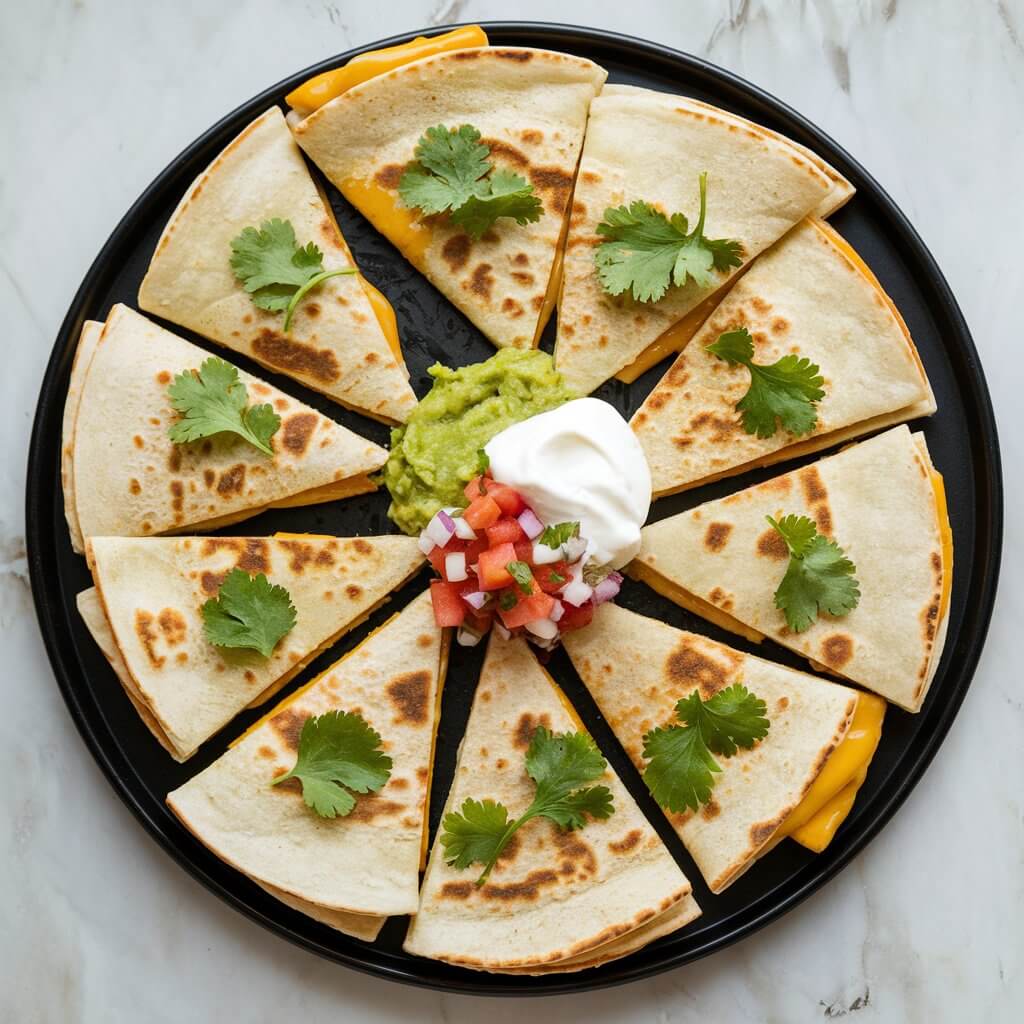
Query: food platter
point(961, 437)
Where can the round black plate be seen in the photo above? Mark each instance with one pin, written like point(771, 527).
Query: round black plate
point(962, 439)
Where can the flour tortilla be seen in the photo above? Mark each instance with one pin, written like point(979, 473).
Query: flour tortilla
point(804, 296)
point(348, 872)
point(638, 668)
point(876, 500)
point(531, 109)
point(87, 341)
point(151, 592)
point(652, 146)
point(335, 343)
point(557, 895)
point(128, 479)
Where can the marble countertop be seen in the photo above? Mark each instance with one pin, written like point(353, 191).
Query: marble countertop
point(98, 923)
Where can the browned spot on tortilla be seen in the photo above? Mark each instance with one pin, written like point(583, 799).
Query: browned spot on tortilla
point(510, 153)
point(528, 889)
point(372, 806)
point(485, 696)
point(520, 56)
point(424, 640)
point(177, 495)
point(532, 136)
point(408, 695)
point(688, 666)
point(779, 325)
point(710, 811)
point(325, 556)
point(311, 309)
point(511, 308)
point(174, 459)
point(527, 726)
point(537, 302)
point(250, 676)
point(590, 177)
point(298, 429)
point(929, 619)
point(288, 725)
point(147, 637)
point(823, 517)
point(300, 552)
point(717, 595)
point(466, 55)
point(771, 544)
point(232, 480)
point(293, 356)
point(134, 486)
point(521, 259)
point(554, 181)
point(501, 764)
point(717, 536)
point(628, 842)
point(211, 582)
point(163, 377)
point(760, 305)
point(455, 251)
point(762, 831)
point(721, 428)
point(457, 890)
point(574, 851)
point(353, 591)
point(137, 441)
point(657, 399)
point(172, 625)
point(251, 553)
point(523, 277)
point(782, 703)
point(837, 650)
point(266, 752)
point(813, 486)
point(389, 175)
point(361, 546)
point(482, 280)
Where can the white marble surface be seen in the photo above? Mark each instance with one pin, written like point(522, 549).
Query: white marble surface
point(97, 923)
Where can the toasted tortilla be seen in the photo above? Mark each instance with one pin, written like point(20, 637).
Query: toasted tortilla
point(348, 872)
point(806, 296)
point(653, 146)
point(756, 789)
point(878, 500)
point(126, 478)
point(335, 343)
point(554, 895)
point(151, 591)
point(531, 109)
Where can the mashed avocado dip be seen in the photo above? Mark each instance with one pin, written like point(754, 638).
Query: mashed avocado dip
point(435, 454)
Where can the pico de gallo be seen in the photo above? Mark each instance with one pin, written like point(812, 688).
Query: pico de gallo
point(500, 566)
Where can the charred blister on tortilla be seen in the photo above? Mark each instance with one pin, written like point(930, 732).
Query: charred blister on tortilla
point(560, 765)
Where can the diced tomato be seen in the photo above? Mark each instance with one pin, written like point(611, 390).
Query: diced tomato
point(474, 549)
point(575, 618)
point(492, 572)
point(524, 551)
point(482, 512)
point(504, 531)
point(449, 608)
point(477, 488)
point(479, 621)
point(436, 559)
point(510, 500)
point(551, 577)
point(537, 606)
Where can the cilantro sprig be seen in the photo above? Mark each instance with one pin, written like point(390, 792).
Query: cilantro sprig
point(249, 612)
point(522, 574)
point(275, 270)
point(556, 535)
point(338, 752)
point(453, 174)
point(681, 758)
point(819, 578)
point(785, 391)
point(646, 251)
point(561, 765)
point(215, 401)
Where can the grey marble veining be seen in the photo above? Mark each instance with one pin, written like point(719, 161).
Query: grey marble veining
point(98, 924)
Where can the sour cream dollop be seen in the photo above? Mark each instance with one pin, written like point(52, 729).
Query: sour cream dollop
point(580, 462)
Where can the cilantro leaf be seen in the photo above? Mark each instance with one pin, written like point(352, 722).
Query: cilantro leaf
point(507, 600)
point(483, 461)
point(520, 572)
point(275, 270)
point(558, 534)
point(646, 251)
point(214, 401)
point(248, 611)
point(681, 762)
point(452, 173)
point(338, 750)
point(785, 390)
point(819, 578)
point(561, 765)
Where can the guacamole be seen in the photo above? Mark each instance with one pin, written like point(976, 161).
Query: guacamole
point(435, 454)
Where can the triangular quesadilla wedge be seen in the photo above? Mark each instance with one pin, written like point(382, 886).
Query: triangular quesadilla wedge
point(653, 147)
point(810, 296)
point(350, 872)
point(530, 107)
point(342, 339)
point(883, 503)
point(637, 669)
point(151, 590)
point(553, 894)
point(129, 479)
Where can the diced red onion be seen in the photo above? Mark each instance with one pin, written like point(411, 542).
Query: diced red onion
point(462, 529)
point(467, 637)
point(455, 567)
point(576, 592)
point(543, 555)
point(544, 628)
point(502, 631)
point(425, 543)
point(574, 549)
point(531, 525)
point(475, 598)
point(607, 589)
point(440, 528)
point(557, 611)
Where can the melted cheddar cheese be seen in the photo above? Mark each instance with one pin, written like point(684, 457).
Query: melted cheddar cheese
point(946, 539)
point(325, 87)
point(385, 314)
point(385, 212)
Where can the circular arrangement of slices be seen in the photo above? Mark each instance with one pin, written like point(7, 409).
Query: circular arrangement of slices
point(517, 181)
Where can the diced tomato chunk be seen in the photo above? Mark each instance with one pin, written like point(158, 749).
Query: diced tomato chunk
point(492, 572)
point(449, 608)
point(436, 559)
point(477, 488)
point(482, 512)
point(537, 606)
point(510, 500)
point(474, 549)
point(551, 577)
point(524, 551)
point(478, 621)
point(575, 618)
point(504, 531)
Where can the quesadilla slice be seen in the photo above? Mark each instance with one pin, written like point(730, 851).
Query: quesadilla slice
point(809, 297)
point(528, 110)
point(653, 148)
point(638, 669)
point(341, 340)
point(883, 505)
point(552, 896)
point(126, 477)
point(353, 870)
point(147, 615)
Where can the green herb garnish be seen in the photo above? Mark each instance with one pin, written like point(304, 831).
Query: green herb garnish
point(785, 390)
point(558, 534)
point(338, 752)
point(483, 461)
point(248, 611)
point(681, 757)
point(453, 174)
point(275, 270)
point(819, 577)
point(520, 572)
point(507, 600)
point(560, 764)
point(646, 251)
